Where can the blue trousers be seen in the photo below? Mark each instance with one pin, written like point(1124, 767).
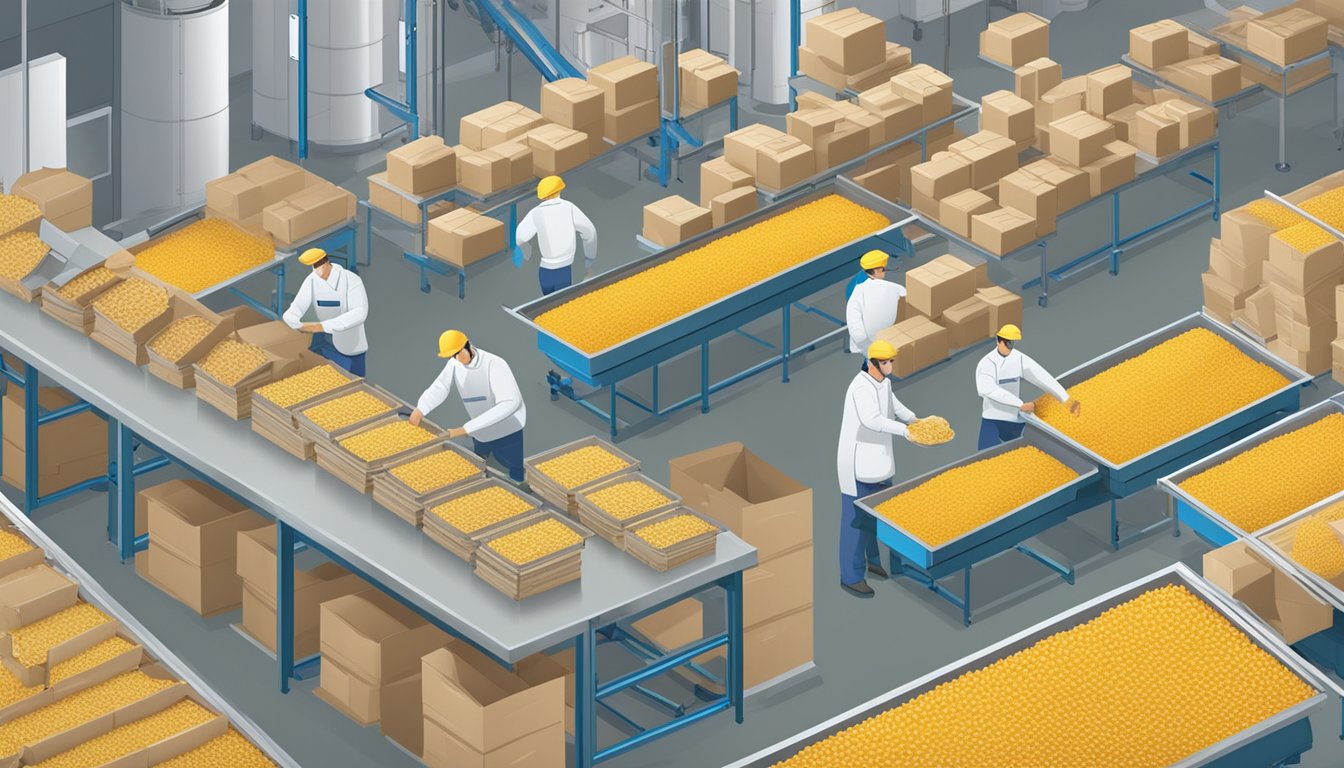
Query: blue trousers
point(323, 346)
point(993, 432)
point(553, 280)
point(858, 546)
point(508, 450)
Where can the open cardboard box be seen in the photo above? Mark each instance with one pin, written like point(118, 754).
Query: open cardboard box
point(286, 353)
point(131, 658)
point(37, 675)
point(181, 373)
point(27, 559)
point(76, 311)
point(1268, 591)
point(34, 594)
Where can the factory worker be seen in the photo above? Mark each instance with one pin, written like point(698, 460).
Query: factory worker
point(873, 304)
point(490, 395)
point(341, 306)
point(998, 379)
point(865, 462)
point(557, 225)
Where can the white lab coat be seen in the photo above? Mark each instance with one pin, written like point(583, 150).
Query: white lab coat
point(341, 306)
point(557, 224)
point(489, 392)
point(871, 417)
point(998, 379)
point(871, 307)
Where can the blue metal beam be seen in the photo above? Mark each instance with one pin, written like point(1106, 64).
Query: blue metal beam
point(404, 111)
point(303, 78)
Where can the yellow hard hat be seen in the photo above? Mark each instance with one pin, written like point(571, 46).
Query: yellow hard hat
point(550, 187)
point(881, 350)
point(451, 342)
point(1010, 332)
point(873, 260)
point(312, 256)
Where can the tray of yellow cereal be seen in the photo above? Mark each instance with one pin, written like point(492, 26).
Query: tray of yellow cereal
point(611, 507)
point(672, 538)
point(458, 519)
point(1309, 543)
point(532, 555)
point(276, 406)
point(1093, 686)
point(406, 486)
point(559, 474)
point(322, 419)
point(358, 453)
point(72, 304)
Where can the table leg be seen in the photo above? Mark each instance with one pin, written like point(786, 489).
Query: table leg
point(1282, 166)
point(704, 377)
point(585, 698)
point(735, 668)
point(788, 345)
point(1044, 298)
point(1115, 233)
point(31, 387)
point(284, 602)
point(280, 290)
point(368, 235)
point(123, 440)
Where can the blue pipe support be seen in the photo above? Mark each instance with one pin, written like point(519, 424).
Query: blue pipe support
point(662, 730)
point(663, 665)
point(302, 12)
point(404, 111)
point(585, 698)
point(795, 40)
point(31, 450)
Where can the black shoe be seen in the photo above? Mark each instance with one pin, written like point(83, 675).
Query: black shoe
point(858, 590)
point(878, 571)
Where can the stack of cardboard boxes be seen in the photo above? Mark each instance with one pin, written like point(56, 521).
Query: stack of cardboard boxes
point(193, 540)
point(629, 98)
point(65, 198)
point(1284, 36)
point(423, 168)
point(1016, 40)
point(279, 198)
point(1187, 60)
point(578, 105)
point(775, 160)
point(70, 450)
point(706, 80)
point(674, 219)
point(1267, 590)
point(847, 50)
point(495, 151)
point(772, 512)
point(462, 236)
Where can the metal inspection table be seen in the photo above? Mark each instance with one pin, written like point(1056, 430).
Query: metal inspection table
point(313, 508)
point(782, 292)
point(1227, 105)
point(338, 241)
point(91, 591)
point(1276, 741)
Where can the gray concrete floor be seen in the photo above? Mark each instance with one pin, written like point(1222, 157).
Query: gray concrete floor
point(863, 648)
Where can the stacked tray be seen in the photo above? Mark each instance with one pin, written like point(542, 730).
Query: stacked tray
point(232, 401)
point(464, 543)
point(545, 573)
point(677, 554)
point(281, 425)
point(611, 527)
point(77, 314)
point(406, 502)
point(181, 373)
point(566, 498)
point(356, 472)
point(319, 436)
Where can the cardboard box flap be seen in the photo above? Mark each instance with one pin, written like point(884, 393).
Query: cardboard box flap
point(34, 594)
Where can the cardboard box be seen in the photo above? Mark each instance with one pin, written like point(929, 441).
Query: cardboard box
point(1314, 361)
point(71, 450)
point(625, 82)
point(20, 561)
point(850, 39)
point(631, 122)
point(1244, 234)
point(1298, 79)
point(1259, 315)
point(484, 172)
point(1118, 166)
point(1198, 123)
point(677, 625)
point(955, 210)
point(943, 282)
point(572, 102)
point(1126, 120)
point(732, 205)
point(706, 79)
point(1308, 337)
point(1198, 45)
point(542, 749)
point(1008, 115)
point(556, 149)
point(401, 706)
point(1156, 133)
point(967, 323)
point(718, 176)
point(1220, 298)
point(1241, 275)
point(991, 157)
point(1003, 305)
point(519, 158)
point(376, 638)
point(675, 219)
point(304, 214)
point(1288, 36)
point(777, 587)
point(873, 126)
point(927, 87)
point(512, 128)
point(1313, 305)
point(898, 117)
point(739, 147)
point(1080, 138)
point(1108, 89)
point(1305, 269)
point(278, 179)
point(811, 125)
point(235, 197)
point(1033, 196)
point(384, 198)
point(1036, 78)
point(1070, 182)
point(33, 594)
point(1240, 573)
point(1002, 231)
point(1211, 78)
point(1159, 44)
point(471, 127)
point(755, 500)
point(885, 182)
point(65, 198)
point(1067, 98)
point(784, 162)
point(1337, 360)
point(777, 646)
point(485, 706)
point(943, 175)
point(811, 64)
point(835, 147)
point(1016, 40)
point(895, 59)
point(462, 237)
point(422, 166)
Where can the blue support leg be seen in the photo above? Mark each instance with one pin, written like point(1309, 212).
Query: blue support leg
point(368, 234)
point(585, 698)
point(462, 283)
point(1217, 181)
point(735, 632)
point(284, 602)
point(785, 352)
point(280, 289)
point(732, 115)
point(704, 377)
point(31, 387)
point(124, 440)
point(966, 597)
point(1115, 527)
point(1115, 234)
point(113, 480)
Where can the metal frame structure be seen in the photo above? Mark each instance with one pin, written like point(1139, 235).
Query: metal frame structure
point(407, 111)
point(649, 351)
point(1276, 741)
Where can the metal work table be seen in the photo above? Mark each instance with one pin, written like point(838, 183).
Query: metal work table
point(1227, 104)
point(1277, 740)
point(91, 591)
point(310, 507)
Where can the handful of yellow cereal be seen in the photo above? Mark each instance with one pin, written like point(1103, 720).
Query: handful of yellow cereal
point(930, 430)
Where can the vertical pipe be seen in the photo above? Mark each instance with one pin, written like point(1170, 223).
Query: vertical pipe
point(302, 11)
point(125, 454)
point(751, 54)
point(23, 55)
point(31, 452)
point(585, 697)
point(284, 602)
point(435, 66)
point(412, 88)
point(676, 59)
point(735, 639)
point(947, 36)
point(113, 426)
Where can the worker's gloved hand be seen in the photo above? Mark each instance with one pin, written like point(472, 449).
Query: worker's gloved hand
point(518, 256)
point(1028, 407)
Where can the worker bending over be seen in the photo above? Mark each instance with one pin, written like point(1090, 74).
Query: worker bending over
point(489, 393)
point(998, 379)
point(873, 305)
point(341, 308)
point(557, 225)
point(865, 462)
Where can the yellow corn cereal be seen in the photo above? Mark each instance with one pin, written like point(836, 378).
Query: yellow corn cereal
point(1318, 548)
point(89, 281)
point(231, 750)
point(12, 545)
point(1277, 216)
point(20, 253)
point(133, 737)
point(203, 254)
point(181, 335)
point(231, 361)
point(32, 641)
point(341, 412)
point(627, 499)
point(672, 530)
point(306, 385)
point(78, 708)
point(386, 440)
point(132, 303)
point(933, 430)
point(16, 212)
point(477, 510)
point(534, 541)
point(101, 653)
point(1305, 237)
point(575, 468)
point(437, 470)
point(1103, 694)
point(12, 691)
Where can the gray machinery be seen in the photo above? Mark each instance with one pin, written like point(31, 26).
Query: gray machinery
point(174, 101)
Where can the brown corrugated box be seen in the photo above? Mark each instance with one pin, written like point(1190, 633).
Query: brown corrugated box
point(1314, 361)
point(625, 82)
point(851, 40)
point(1080, 138)
point(32, 594)
point(1212, 78)
point(846, 142)
point(463, 236)
point(422, 166)
point(1108, 89)
point(65, 198)
point(486, 707)
point(1159, 44)
point(732, 205)
point(1004, 306)
point(632, 122)
point(1008, 115)
point(898, 116)
point(886, 182)
point(1301, 270)
point(519, 158)
point(991, 156)
point(1117, 166)
point(1241, 274)
point(22, 560)
point(783, 162)
point(919, 342)
point(316, 207)
point(556, 149)
point(1222, 299)
point(1288, 36)
point(1272, 594)
point(1002, 231)
point(896, 57)
point(1126, 121)
point(572, 102)
point(1036, 78)
point(1070, 182)
point(1298, 79)
point(940, 176)
point(1198, 123)
point(484, 172)
point(706, 79)
point(967, 323)
point(955, 210)
point(71, 450)
point(1156, 133)
point(512, 128)
point(1067, 98)
point(472, 128)
point(739, 147)
point(718, 176)
point(1312, 305)
point(810, 125)
point(777, 586)
point(1241, 573)
point(1016, 40)
point(384, 198)
point(935, 286)
point(811, 64)
point(1313, 338)
point(1337, 360)
point(1258, 314)
point(927, 87)
point(1244, 234)
point(1198, 45)
point(675, 219)
point(542, 749)
point(874, 126)
point(1033, 196)
point(181, 373)
point(401, 705)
